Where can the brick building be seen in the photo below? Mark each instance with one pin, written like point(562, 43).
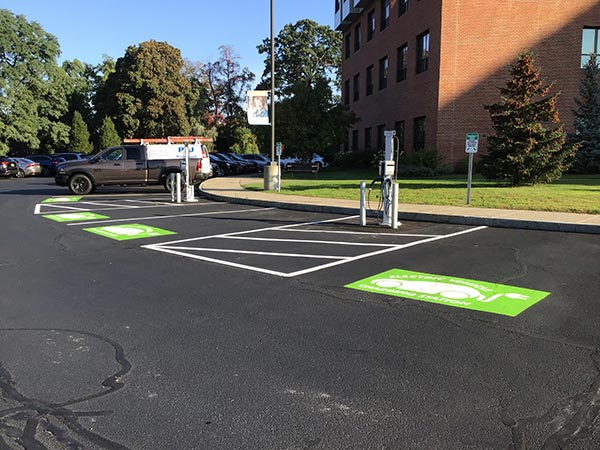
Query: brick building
point(426, 67)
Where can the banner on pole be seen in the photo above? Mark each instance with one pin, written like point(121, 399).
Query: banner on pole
point(258, 107)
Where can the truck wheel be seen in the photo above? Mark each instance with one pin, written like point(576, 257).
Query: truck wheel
point(80, 184)
point(169, 186)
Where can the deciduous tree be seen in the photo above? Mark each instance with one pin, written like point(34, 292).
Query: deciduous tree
point(307, 72)
point(227, 86)
point(526, 148)
point(33, 88)
point(147, 91)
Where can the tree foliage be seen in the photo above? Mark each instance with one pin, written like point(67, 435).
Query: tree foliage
point(308, 115)
point(79, 136)
point(227, 85)
point(526, 147)
point(587, 120)
point(108, 136)
point(33, 88)
point(245, 141)
point(146, 93)
point(305, 53)
point(310, 120)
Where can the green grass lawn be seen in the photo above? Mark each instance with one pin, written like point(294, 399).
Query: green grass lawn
point(572, 193)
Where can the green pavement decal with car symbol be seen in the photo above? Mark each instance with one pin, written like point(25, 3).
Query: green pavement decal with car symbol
point(451, 291)
point(129, 231)
point(61, 199)
point(72, 217)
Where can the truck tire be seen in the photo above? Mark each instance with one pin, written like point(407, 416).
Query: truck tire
point(80, 184)
point(168, 184)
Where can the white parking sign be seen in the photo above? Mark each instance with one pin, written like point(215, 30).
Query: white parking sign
point(472, 142)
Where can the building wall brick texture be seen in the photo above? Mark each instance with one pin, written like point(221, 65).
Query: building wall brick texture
point(473, 43)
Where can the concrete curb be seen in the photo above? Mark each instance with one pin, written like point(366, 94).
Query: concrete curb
point(416, 216)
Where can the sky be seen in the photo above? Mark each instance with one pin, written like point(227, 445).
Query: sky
point(88, 29)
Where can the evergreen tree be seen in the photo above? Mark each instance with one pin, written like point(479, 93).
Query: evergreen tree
point(587, 120)
point(526, 148)
point(108, 136)
point(80, 136)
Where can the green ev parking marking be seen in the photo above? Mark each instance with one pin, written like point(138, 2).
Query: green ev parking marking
point(129, 231)
point(61, 199)
point(72, 217)
point(451, 291)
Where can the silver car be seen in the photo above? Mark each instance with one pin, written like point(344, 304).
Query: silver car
point(27, 168)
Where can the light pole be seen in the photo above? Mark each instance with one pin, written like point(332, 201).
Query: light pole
point(271, 172)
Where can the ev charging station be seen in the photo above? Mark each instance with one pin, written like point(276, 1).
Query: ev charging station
point(389, 187)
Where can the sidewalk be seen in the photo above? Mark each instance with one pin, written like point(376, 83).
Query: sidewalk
point(231, 189)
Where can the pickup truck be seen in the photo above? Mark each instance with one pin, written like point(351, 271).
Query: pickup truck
point(137, 164)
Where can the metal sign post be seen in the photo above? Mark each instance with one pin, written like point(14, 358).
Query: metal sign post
point(471, 149)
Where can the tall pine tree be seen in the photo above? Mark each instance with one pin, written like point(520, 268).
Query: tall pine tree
point(587, 120)
point(526, 147)
point(80, 136)
point(108, 136)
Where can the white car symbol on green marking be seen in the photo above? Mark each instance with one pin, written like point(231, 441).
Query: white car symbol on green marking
point(451, 291)
point(126, 231)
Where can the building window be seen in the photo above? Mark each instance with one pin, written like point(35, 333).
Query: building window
point(590, 43)
point(381, 137)
point(370, 25)
point(369, 85)
point(347, 41)
point(385, 14)
point(356, 87)
point(383, 72)
point(347, 92)
point(368, 138)
point(357, 38)
point(399, 127)
point(354, 140)
point(402, 7)
point(401, 61)
point(337, 5)
point(419, 134)
point(422, 52)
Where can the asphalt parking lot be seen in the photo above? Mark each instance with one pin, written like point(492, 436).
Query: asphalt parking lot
point(131, 322)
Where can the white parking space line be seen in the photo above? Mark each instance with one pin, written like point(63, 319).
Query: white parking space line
point(353, 244)
point(380, 252)
point(112, 208)
point(364, 233)
point(188, 250)
point(151, 202)
point(256, 252)
point(169, 216)
point(38, 208)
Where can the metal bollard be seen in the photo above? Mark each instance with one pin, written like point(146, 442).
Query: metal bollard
point(363, 203)
point(395, 222)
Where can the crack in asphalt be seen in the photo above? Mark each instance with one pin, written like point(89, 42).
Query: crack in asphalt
point(563, 423)
point(30, 421)
point(524, 269)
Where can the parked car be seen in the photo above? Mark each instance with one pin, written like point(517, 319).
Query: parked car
point(72, 156)
point(48, 163)
point(27, 167)
point(257, 158)
point(316, 159)
point(8, 167)
point(223, 168)
point(245, 165)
